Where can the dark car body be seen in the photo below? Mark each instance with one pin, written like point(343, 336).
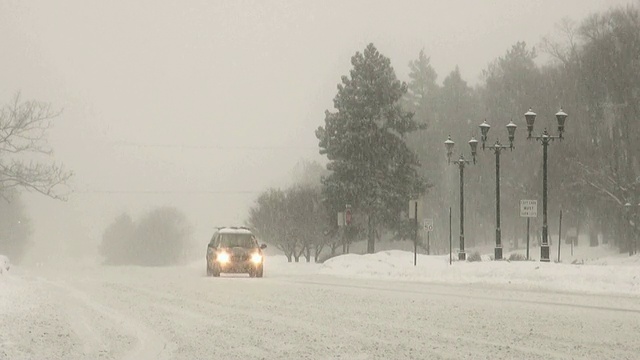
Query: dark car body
point(235, 250)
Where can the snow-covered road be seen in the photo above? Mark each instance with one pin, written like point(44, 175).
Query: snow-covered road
point(295, 313)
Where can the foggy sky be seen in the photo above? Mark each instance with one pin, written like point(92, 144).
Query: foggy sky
point(202, 104)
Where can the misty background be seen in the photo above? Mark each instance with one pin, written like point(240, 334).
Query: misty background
point(202, 105)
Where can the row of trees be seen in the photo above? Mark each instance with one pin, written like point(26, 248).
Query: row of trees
point(160, 237)
point(295, 220)
point(384, 142)
point(592, 174)
point(371, 168)
point(289, 220)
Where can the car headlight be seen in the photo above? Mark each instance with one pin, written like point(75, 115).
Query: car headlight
point(222, 257)
point(256, 258)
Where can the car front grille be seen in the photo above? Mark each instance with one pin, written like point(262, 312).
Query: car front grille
point(239, 258)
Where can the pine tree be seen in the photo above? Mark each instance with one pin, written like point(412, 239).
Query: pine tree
point(372, 169)
point(422, 89)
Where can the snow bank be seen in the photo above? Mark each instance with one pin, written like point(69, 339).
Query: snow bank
point(15, 296)
point(621, 278)
point(5, 265)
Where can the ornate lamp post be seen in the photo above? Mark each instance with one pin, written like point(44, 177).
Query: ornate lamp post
point(497, 149)
point(461, 162)
point(545, 139)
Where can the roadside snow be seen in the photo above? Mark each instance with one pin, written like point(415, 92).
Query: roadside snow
point(5, 265)
point(72, 311)
point(620, 276)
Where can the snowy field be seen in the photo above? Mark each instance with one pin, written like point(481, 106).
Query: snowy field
point(352, 307)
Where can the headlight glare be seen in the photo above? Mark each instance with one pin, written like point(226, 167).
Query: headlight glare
point(256, 258)
point(222, 257)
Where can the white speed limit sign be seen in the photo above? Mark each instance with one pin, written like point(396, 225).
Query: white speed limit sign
point(428, 224)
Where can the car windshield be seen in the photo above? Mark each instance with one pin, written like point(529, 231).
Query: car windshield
point(235, 240)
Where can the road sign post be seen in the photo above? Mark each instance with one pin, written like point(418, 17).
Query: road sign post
point(450, 241)
point(427, 224)
point(528, 209)
point(528, 232)
point(413, 211)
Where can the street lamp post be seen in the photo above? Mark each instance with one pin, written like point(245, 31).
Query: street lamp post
point(545, 139)
point(461, 162)
point(497, 149)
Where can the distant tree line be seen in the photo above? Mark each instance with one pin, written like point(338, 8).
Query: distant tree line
point(160, 237)
point(595, 77)
point(384, 142)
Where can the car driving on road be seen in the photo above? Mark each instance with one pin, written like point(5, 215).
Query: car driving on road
point(235, 250)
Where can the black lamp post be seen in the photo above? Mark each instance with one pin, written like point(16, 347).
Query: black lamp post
point(545, 139)
point(461, 162)
point(497, 149)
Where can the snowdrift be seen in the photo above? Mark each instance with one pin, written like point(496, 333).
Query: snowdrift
point(616, 275)
point(5, 265)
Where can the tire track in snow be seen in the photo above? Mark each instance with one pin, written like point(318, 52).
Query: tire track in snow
point(149, 344)
point(295, 329)
point(197, 310)
point(477, 297)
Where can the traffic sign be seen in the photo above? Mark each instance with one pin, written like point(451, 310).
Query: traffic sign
point(528, 208)
point(427, 224)
point(347, 216)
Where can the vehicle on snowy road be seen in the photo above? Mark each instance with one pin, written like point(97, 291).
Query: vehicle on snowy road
point(235, 250)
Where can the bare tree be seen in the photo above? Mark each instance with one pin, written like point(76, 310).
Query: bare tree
point(24, 150)
point(566, 49)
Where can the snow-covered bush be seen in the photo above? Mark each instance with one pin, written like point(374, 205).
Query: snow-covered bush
point(474, 256)
point(517, 257)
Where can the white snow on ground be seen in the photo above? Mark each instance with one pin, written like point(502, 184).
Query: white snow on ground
point(5, 265)
point(299, 312)
point(621, 275)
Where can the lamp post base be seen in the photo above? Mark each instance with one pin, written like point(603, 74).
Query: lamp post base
point(544, 253)
point(462, 256)
point(498, 253)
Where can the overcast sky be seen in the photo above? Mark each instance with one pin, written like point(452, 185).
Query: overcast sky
point(202, 104)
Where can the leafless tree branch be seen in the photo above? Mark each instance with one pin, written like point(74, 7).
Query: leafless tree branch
point(23, 132)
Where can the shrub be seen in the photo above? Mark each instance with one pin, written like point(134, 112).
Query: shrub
point(474, 256)
point(517, 257)
point(161, 237)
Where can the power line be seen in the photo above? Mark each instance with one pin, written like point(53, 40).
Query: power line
point(212, 147)
point(162, 192)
